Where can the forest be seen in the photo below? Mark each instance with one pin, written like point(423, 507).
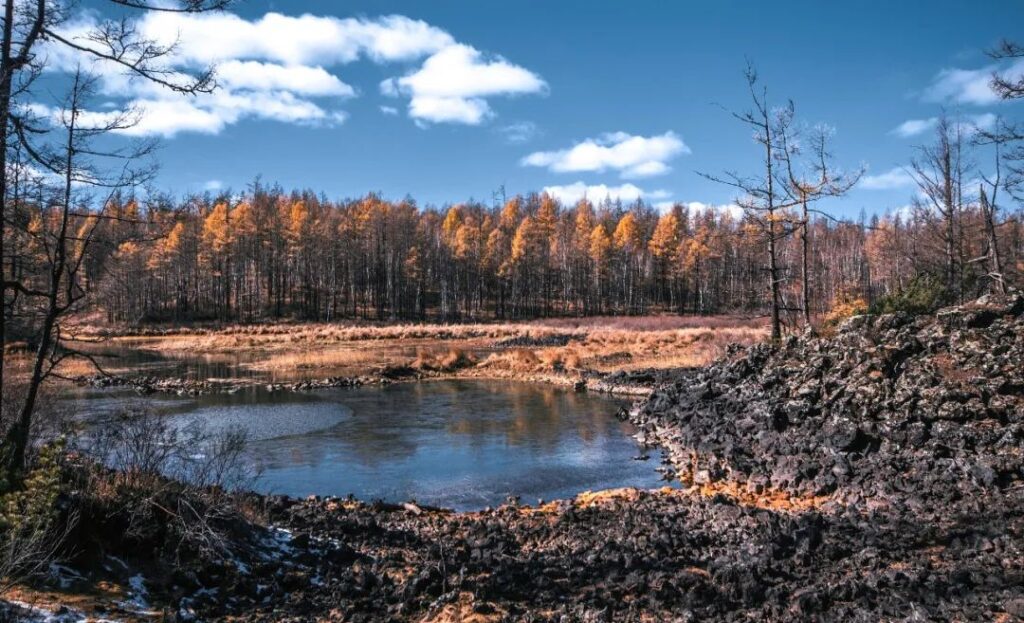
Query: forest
point(268, 254)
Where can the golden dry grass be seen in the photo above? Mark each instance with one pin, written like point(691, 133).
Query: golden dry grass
point(76, 366)
point(337, 358)
point(608, 350)
point(102, 598)
point(601, 345)
point(768, 499)
point(462, 610)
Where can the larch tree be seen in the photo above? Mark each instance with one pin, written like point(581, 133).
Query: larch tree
point(583, 224)
point(629, 243)
point(373, 258)
point(528, 251)
point(665, 246)
point(600, 249)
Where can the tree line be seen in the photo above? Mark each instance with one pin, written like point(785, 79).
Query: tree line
point(268, 254)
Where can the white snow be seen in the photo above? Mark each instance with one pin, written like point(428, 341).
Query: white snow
point(27, 613)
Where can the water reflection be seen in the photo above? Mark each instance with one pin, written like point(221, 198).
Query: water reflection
point(128, 356)
point(459, 443)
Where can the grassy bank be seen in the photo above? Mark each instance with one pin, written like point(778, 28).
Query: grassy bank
point(560, 350)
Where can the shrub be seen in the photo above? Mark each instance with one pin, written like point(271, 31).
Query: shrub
point(30, 522)
point(454, 359)
point(845, 306)
point(923, 295)
point(172, 488)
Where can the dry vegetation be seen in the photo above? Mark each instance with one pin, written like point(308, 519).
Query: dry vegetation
point(564, 348)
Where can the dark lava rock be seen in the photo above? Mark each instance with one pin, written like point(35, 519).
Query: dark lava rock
point(936, 401)
point(531, 341)
point(875, 475)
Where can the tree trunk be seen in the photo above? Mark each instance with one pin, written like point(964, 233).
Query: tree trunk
point(804, 268)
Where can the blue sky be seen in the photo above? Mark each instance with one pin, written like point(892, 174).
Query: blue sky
point(448, 100)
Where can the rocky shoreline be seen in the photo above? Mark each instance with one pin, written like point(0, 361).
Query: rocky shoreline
point(877, 475)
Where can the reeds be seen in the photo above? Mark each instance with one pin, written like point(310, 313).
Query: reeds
point(602, 344)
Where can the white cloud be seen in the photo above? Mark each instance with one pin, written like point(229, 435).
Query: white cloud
point(970, 124)
point(207, 38)
point(970, 86)
point(904, 212)
point(571, 193)
point(453, 82)
point(282, 68)
point(632, 156)
point(470, 111)
point(389, 110)
point(981, 122)
point(209, 115)
point(892, 179)
point(697, 207)
point(519, 132)
point(213, 185)
point(299, 79)
point(914, 127)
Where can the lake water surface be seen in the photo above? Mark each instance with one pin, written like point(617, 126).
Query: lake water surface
point(462, 444)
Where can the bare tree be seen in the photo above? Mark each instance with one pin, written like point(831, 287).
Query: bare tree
point(818, 180)
point(1008, 136)
point(988, 199)
point(939, 171)
point(62, 232)
point(761, 199)
point(1006, 86)
point(25, 25)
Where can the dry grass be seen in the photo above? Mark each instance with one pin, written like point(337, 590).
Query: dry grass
point(334, 359)
point(661, 322)
point(608, 350)
point(463, 610)
point(601, 344)
point(450, 361)
point(99, 601)
point(768, 499)
point(76, 366)
point(284, 336)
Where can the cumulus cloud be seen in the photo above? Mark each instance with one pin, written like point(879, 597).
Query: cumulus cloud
point(698, 207)
point(892, 179)
point(970, 86)
point(284, 68)
point(297, 79)
point(167, 117)
point(969, 125)
point(632, 156)
point(571, 193)
point(914, 127)
point(307, 39)
point(453, 82)
point(983, 122)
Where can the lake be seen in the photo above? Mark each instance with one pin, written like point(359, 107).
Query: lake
point(462, 444)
